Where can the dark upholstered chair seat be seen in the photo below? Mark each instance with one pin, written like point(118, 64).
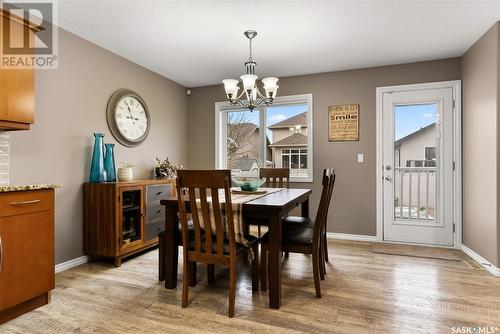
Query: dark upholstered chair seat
point(300, 235)
point(300, 221)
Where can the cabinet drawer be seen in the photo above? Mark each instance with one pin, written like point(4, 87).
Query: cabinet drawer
point(153, 228)
point(157, 192)
point(22, 202)
point(155, 212)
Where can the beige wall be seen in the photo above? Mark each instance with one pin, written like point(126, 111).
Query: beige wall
point(70, 106)
point(353, 209)
point(481, 99)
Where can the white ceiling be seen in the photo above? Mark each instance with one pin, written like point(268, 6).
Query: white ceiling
point(198, 43)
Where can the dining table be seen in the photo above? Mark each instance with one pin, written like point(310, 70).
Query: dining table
point(267, 210)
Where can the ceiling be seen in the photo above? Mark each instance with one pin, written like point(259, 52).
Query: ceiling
point(198, 43)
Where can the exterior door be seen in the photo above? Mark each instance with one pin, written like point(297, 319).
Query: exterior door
point(418, 167)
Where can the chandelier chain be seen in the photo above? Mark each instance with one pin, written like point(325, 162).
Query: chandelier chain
point(250, 48)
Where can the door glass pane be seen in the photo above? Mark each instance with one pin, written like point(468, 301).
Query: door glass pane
point(286, 133)
point(243, 143)
point(131, 216)
point(416, 162)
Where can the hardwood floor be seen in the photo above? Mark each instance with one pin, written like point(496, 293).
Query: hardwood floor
point(364, 292)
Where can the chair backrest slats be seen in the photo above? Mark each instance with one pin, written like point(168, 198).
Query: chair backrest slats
point(275, 177)
point(196, 219)
point(219, 225)
point(204, 213)
point(207, 224)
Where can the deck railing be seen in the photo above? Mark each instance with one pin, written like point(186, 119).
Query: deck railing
point(415, 193)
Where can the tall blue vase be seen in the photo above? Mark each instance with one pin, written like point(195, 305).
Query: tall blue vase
point(97, 172)
point(109, 163)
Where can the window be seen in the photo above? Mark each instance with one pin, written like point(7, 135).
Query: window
point(430, 153)
point(279, 135)
point(296, 160)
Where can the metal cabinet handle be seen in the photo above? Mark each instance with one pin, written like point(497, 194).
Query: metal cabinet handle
point(159, 193)
point(34, 201)
point(1, 253)
point(159, 211)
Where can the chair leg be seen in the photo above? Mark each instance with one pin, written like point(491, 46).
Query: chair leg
point(185, 284)
point(263, 268)
point(192, 274)
point(255, 268)
point(287, 254)
point(211, 273)
point(325, 242)
point(259, 232)
point(232, 287)
point(316, 272)
point(322, 263)
point(161, 260)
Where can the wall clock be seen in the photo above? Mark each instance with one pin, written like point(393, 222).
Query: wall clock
point(128, 117)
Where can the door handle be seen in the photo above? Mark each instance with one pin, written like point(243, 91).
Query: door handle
point(34, 201)
point(387, 178)
point(1, 254)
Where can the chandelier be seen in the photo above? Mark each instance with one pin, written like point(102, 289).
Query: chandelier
point(254, 98)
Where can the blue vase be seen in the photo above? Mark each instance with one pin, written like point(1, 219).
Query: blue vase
point(97, 172)
point(109, 163)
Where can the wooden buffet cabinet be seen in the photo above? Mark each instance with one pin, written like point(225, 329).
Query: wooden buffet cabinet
point(26, 251)
point(17, 86)
point(123, 218)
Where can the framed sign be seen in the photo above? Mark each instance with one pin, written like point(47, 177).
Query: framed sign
point(343, 122)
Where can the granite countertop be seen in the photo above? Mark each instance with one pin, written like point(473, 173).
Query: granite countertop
point(8, 188)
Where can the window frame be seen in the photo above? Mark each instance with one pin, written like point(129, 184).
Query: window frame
point(221, 110)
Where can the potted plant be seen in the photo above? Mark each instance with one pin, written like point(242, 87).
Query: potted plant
point(165, 169)
point(125, 173)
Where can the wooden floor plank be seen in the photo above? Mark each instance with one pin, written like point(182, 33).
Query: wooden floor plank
point(364, 292)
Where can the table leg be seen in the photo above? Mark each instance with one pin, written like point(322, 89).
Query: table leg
point(171, 247)
point(274, 260)
point(305, 208)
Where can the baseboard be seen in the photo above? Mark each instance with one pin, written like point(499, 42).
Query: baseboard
point(352, 237)
point(71, 264)
point(482, 261)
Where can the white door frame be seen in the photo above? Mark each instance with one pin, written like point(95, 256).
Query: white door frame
point(457, 152)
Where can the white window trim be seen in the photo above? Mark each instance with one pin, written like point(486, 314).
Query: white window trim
point(221, 109)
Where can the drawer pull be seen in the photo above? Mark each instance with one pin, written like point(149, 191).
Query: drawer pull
point(159, 211)
point(159, 193)
point(34, 201)
point(1, 253)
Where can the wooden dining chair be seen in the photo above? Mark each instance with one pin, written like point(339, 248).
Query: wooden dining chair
point(275, 177)
point(212, 243)
point(301, 238)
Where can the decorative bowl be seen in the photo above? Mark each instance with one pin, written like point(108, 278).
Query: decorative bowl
point(248, 184)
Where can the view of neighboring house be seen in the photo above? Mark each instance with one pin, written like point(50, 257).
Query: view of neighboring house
point(415, 174)
point(289, 144)
point(287, 147)
point(418, 149)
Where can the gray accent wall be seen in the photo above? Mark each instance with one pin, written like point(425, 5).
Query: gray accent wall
point(354, 201)
point(70, 106)
point(481, 126)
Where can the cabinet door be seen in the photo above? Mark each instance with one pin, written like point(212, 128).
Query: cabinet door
point(17, 87)
point(17, 96)
point(131, 218)
point(27, 257)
